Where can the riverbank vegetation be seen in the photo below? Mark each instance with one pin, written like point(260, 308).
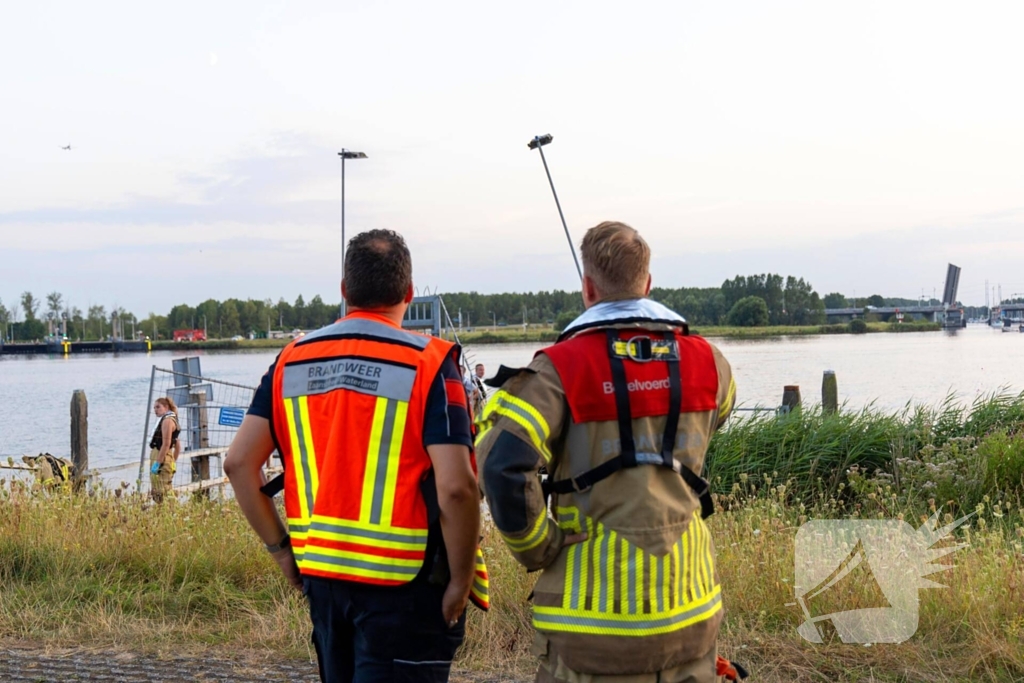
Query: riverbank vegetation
point(548, 334)
point(108, 570)
point(757, 301)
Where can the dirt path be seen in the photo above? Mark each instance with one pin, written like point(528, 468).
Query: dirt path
point(26, 663)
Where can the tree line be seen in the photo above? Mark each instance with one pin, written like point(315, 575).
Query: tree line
point(747, 300)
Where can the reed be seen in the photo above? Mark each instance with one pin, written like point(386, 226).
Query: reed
point(815, 450)
point(110, 570)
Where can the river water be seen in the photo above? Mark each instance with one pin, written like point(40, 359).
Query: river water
point(887, 369)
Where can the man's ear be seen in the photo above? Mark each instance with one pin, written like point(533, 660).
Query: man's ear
point(647, 289)
point(408, 294)
point(343, 293)
point(590, 293)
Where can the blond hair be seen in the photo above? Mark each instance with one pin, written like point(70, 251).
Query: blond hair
point(617, 259)
point(167, 403)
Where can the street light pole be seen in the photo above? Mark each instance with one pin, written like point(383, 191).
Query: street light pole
point(345, 154)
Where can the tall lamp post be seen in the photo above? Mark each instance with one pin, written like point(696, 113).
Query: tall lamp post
point(345, 154)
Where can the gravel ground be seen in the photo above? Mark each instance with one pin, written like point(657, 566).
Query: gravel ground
point(27, 663)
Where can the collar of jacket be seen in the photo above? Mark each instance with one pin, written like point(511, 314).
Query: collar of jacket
point(624, 312)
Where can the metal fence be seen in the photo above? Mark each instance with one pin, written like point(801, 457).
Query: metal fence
point(210, 411)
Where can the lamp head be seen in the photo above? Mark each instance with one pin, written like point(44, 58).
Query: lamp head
point(540, 141)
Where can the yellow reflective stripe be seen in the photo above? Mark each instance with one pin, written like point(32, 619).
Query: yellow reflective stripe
point(526, 416)
point(372, 456)
point(672, 586)
point(570, 591)
point(697, 542)
point(307, 434)
point(297, 468)
point(358, 524)
point(664, 590)
point(727, 403)
point(354, 571)
point(623, 582)
point(363, 533)
point(394, 457)
point(638, 582)
point(586, 557)
point(533, 538)
point(608, 549)
point(705, 579)
point(583, 621)
point(362, 540)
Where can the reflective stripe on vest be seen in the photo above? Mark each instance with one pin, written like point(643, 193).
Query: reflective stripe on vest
point(354, 506)
point(613, 587)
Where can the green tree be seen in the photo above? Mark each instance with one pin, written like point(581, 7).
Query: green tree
point(5, 318)
point(750, 311)
point(30, 305)
point(563, 319)
point(876, 300)
point(229, 318)
point(96, 321)
point(54, 303)
point(835, 300)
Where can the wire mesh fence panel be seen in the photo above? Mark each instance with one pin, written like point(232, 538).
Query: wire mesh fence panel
point(209, 413)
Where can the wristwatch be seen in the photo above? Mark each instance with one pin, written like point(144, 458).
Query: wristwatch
point(285, 542)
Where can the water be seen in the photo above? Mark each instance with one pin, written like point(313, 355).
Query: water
point(887, 369)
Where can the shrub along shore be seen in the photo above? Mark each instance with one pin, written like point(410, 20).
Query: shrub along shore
point(545, 333)
point(109, 570)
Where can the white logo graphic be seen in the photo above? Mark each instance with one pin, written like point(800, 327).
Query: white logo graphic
point(863, 576)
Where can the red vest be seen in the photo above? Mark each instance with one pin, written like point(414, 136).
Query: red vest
point(584, 367)
point(349, 405)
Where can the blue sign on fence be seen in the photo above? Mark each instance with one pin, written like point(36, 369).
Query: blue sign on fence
point(231, 417)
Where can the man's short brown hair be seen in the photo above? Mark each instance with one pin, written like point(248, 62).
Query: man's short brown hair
point(378, 269)
point(617, 259)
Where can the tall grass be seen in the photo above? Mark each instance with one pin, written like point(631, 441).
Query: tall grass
point(112, 571)
point(814, 450)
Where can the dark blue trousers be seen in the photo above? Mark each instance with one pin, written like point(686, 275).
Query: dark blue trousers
point(370, 634)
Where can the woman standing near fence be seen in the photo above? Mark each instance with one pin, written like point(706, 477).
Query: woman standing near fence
point(164, 448)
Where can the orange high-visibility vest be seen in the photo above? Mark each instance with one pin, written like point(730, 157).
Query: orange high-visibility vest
point(349, 406)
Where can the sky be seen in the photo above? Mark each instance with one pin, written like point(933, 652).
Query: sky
point(862, 146)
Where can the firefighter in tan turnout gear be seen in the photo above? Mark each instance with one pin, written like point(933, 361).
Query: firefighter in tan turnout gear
point(629, 587)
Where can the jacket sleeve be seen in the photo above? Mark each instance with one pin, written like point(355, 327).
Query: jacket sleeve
point(521, 427)
point(726, 387)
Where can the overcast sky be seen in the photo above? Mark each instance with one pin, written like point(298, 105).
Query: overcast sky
point(859, 145)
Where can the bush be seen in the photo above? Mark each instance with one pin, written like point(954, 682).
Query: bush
point(563, 319)
point(750, 311)
point(858, 326)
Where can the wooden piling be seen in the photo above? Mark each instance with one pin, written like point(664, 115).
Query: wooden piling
point(79, 436)
point(201, 464)
point(829, 393)
point(790, 398)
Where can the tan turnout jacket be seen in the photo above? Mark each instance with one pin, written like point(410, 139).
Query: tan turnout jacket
point(641, 594)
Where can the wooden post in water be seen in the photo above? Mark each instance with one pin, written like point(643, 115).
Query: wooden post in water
point(79, 436)
point(790, 398)
point(829, 393)
point(201, 465)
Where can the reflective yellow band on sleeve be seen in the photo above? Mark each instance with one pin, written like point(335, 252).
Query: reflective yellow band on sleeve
point(729, 397)
point(538, 532)
point(524, 415)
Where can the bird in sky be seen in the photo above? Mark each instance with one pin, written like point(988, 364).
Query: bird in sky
point(67, 148)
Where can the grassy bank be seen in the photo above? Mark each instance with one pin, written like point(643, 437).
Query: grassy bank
point(107, 570)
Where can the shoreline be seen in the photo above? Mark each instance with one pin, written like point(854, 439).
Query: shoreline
point(540, 334)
